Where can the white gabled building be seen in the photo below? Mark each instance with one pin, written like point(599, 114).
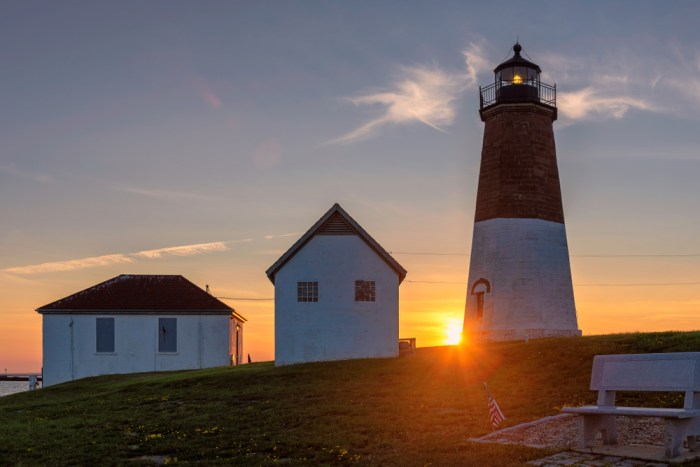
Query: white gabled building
point(138, 323)
point(336, 295)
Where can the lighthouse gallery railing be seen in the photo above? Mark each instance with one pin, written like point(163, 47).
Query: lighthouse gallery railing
point(524, 91)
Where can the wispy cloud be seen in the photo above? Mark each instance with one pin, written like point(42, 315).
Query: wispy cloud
point(204, 88)
point(210, 97)
point(683, 78)
point(424, 94)
point(185, 250)
point(293, 234)
point(37, 177)
point(162, 194)
point(602, 87)
point(620, 80)
point(268, 154)
point(71, 265)
point(123, 258)
point(588, 102)
point(276, 252)
point(476, 61)
point(421, 94)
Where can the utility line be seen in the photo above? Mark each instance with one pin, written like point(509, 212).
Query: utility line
point(688, 255)
point(245, 299)
point(429, 254)
point(637, 285)
point(434, 282)
point(645, 284)
point(641, 255)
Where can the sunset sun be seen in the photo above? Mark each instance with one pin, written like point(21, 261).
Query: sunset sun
point(453, 332)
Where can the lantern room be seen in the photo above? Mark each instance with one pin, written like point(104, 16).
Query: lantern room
point(517, 71)
point(517, 80)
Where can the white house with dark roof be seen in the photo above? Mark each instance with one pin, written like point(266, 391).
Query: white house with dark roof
point(138, 323)
point(336, 295)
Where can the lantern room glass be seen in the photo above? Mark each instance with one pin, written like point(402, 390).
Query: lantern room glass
point(518, 75)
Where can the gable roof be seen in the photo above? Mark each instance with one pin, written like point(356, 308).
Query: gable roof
point(336, 222)
point(141, 294)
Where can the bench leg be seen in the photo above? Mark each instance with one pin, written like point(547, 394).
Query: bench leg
point(675, 433)
point(693, 443)
point(694, 438)
point(590, 425)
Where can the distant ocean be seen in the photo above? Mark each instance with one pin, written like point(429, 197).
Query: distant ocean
point(11, 387)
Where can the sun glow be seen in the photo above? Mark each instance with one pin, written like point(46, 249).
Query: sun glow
point(453, 332)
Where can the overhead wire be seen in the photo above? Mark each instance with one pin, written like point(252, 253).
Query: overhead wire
point(627, 284)
point(246, 299)
point(631, 255)
point(624, 284)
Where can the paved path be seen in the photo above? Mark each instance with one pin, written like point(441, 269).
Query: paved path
point(593, 460)
point(640, 438)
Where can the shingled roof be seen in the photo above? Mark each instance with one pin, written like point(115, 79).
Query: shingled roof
point(336, 222)
point(141, 294)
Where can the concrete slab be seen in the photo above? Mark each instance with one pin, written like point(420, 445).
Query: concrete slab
point(581, 459)
point(648, 453)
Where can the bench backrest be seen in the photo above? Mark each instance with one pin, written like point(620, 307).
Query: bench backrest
point(663, 372)
point(647, 372)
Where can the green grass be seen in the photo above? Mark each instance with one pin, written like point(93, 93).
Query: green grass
point(417, 410)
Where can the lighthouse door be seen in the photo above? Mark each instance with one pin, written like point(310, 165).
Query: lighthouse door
point(480, 288)
point(479, 304)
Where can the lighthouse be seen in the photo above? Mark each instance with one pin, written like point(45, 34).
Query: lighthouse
point(519, 273)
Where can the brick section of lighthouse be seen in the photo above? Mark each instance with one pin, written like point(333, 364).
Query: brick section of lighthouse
point(519, 176)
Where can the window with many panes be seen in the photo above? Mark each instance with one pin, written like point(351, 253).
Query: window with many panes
point(104, 335)
point(307, 291)
point(167, 334)
point(365, 291)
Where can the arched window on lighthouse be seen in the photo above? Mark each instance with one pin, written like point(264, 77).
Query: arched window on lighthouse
point(479, 289)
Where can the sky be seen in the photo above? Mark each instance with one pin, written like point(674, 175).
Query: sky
point(204, 138)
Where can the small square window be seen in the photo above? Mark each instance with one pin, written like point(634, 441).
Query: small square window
point(307, 291)
point(365, 291)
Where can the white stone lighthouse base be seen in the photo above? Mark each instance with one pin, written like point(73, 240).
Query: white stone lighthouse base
point(519, 281)
point(519, 334)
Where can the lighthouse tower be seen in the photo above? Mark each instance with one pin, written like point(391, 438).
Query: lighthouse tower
point(519, 274)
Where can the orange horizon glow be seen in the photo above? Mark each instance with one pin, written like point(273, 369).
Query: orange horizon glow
point(430, 312)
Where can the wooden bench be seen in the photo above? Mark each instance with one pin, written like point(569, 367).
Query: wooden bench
point(664, 372)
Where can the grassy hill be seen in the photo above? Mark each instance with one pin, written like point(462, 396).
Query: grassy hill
point(416, 410)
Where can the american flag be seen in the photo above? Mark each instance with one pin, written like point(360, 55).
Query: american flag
point(494, 410)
